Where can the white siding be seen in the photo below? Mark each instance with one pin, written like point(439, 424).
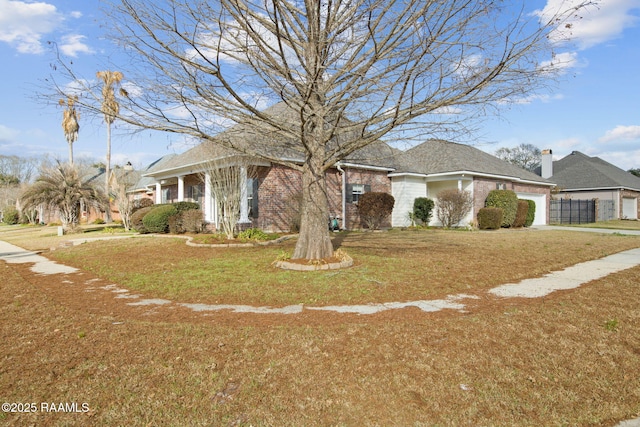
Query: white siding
point(404, 190)
point(454, 184)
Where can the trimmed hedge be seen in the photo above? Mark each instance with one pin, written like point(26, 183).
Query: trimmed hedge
point(185, 206)
point(521, 214)
point(138, 216)
point(490, 218)
point(531, 213)
point(157, 220)
point(374, 208)
point(505, 200)
point(423, 209)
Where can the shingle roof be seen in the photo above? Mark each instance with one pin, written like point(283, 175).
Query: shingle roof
point(268, 144)
point(439, 157)
point(579, 171)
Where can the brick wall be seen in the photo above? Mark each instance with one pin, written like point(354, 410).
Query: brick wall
point(482, 187)
point(379, 182)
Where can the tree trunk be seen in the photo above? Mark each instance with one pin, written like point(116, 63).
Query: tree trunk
point(314, 241)
point(70, 153)
point(107, 172)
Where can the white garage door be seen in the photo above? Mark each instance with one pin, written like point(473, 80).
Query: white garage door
point(541, 206)
point(629, 208)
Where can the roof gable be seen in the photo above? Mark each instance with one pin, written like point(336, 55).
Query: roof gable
point(579, 171)
point(434, 157)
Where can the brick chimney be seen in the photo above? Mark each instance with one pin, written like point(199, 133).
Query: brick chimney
point(546, 170)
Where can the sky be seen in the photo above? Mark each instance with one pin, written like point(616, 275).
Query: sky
point(594, 108)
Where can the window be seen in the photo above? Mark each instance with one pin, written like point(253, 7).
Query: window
point(354, 191)
point(194, 192)
point(252, 197)
point(501, 186)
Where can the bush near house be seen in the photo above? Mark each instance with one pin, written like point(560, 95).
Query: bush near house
point(185, 206)
point(141, 203)
point(531, 213)
point(189, 221)
point(157, 220)
point(490, 218)
point(505, 200)
point(374, 208)
point(423, 209)
point(453, 205)
point(10, 215)
point(138, 216)
point(521, 214)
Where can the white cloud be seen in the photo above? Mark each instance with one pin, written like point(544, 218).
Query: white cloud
point(561, 62)
point(73, 44)
point(593, 25)
point(622, 133)
point(23, 25)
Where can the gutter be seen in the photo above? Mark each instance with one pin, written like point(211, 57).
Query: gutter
point(344, 195)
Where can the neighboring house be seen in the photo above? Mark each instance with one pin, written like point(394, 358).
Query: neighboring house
point(581, 177)
point(435, 165)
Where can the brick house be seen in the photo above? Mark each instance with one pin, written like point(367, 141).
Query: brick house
point(272, 193)
point(435, 165)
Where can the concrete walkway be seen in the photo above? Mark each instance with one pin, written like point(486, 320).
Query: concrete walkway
point(588, 229)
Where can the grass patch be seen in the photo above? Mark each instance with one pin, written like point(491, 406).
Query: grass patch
point(618, 224)
point(398, 266)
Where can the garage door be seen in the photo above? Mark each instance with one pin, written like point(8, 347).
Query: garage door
point(629, 208)
point(541, 206)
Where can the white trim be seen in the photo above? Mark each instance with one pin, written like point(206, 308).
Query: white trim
point(359, 166)
point(471, 174)
point(564, 190)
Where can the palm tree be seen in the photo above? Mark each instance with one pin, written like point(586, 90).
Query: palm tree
point(110, 109)
point(70, 124)
point(61, 187)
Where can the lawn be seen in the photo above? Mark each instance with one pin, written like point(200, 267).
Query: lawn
point(618, 224)
point(570, 358)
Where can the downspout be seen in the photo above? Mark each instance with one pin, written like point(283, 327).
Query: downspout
point(344, 196)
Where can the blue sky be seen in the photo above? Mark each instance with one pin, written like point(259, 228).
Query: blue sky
point(594, 108)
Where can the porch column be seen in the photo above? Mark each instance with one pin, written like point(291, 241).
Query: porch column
point(158, 193)
point(181, 188)
point(459, 185)
point(208, 200)
point(244, 209)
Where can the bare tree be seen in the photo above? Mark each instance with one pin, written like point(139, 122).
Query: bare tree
point(452, 206)
point(527, 156)
point(348, 74)
point(228, 182)
point(122, 181)
point(70, 124)
point(110, 109)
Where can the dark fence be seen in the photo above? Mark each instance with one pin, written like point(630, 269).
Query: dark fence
point(568, 211)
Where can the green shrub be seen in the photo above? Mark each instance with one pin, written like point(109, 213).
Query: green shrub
point(10, 215)
point(98, 221)
point(254, 234)
point(531, 213)
point(489, 218)
point(138, 216)
point(521, 214)
point(185, 206)
point(157, 220)
point(374, 208)
point(422, 209)
point(507, 201)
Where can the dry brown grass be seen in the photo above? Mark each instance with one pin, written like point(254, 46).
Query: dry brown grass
point(571, 358)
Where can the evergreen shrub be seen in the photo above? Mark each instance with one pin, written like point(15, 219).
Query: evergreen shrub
point(137, 217)
point(521, 214)
point(423, 209)
point(531, 213)
point(157, 220)
point(490, 218)
point(507, 201)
